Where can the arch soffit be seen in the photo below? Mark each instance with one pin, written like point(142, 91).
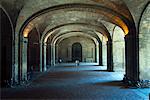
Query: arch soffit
point(76, 33)
point(85, 25)
point(112, 16)
point(73, 34)
point(76, 29)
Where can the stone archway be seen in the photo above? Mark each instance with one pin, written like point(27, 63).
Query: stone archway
point(33, 51)
point(127, 25)
point(77, 52)
point(6, 49)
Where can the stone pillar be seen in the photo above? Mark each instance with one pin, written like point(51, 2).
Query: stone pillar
point(104, 54)
point(97, 57)
point(131, 55)
point(13, 62)
point(56, 49)
point(24, 59)
point(16, 62)
point(45, 66)
point(48, 56)
point(41, 57)
point(109, 56)
point(100, 53)
point(52, 55)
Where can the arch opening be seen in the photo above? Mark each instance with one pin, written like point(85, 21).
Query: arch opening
point(76, 52)
point(64, 49)
point(6, 49)
point(118, 49)
point(33, 52)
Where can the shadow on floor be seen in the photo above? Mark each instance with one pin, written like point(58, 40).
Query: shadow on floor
point(113, 84)
point(97, 70)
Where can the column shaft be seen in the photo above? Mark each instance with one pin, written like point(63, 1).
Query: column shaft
point(24, 60)
point(109, 56)
point(132, 72)
point(45, 66)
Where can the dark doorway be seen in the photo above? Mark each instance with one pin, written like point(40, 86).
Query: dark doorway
point(33, 52)
point(6, 49)
point(77, 52)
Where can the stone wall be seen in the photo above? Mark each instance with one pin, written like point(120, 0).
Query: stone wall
point(65, 49)
point(144, 45)
point(104, 52)
point(118, 49)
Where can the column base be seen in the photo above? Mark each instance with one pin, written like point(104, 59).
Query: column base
point(136, 83)
point(110, 70)
point(45, 68)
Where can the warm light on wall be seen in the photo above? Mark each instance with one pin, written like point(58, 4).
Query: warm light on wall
point(27, 30)
point(126, 30)
point(105, 39)
point(122, 25)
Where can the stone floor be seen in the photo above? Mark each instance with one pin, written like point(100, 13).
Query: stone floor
point(76, 83)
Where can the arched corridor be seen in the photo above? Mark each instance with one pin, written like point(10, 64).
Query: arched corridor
point(39, 37)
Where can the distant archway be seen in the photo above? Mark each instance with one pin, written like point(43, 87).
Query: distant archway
point(77, 52)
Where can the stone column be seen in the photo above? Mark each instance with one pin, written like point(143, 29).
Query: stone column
point(24, 59)
point(97, 53)
point(109, 56)
point(48, 56)
point(104, 54)
point(45, 66)
point(100, 53)
point(16, 62)
point(52, 55)
point(131, 55)
point(57, 53)
point(41, 57)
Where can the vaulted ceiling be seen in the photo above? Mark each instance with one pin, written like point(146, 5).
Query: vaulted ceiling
point(64, 16)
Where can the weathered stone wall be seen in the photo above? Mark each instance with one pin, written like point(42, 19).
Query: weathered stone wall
point(104, 52)
point(144, 45)
point(118, 49)
point(136, 7)
point(65, 49)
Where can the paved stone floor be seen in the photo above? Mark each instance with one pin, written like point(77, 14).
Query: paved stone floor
point(76, 83)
